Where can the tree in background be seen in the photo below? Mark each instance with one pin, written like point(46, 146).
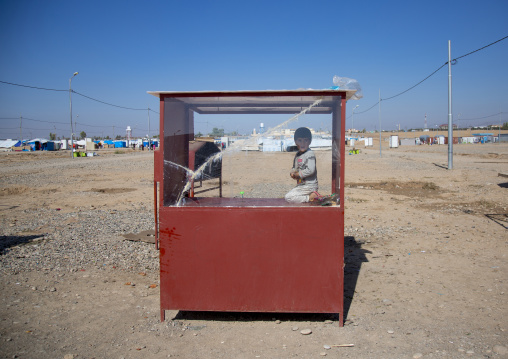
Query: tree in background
point(52, 136)
point(217, 132)
point(118, 137)
point(82, 134)
point(505, 126)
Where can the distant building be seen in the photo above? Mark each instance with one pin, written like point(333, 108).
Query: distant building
point(445, 127)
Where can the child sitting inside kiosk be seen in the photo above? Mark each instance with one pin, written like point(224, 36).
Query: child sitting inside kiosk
point(304, 170)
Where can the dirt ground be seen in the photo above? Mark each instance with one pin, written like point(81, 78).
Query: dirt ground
point(426, 272)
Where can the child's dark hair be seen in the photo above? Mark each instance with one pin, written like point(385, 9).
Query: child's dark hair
point(303, 132)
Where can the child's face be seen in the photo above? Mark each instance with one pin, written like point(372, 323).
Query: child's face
point(302, 144)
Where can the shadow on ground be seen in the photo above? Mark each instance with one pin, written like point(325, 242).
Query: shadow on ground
point(354, 256)
point(501, 219)
point(254, 316)
point(12, 241)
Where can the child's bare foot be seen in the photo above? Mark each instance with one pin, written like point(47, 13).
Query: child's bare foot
point(313, 196)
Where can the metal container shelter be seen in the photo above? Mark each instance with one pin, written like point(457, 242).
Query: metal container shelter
point(214, 255)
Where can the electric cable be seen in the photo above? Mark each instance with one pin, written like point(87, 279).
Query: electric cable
point(110, 104)
point(472, 52)
point(31, 119)
point(433, 73)
point(481, 118)
point(370, 108)
point(32, 87)
point(454, 61)
point(412, 87)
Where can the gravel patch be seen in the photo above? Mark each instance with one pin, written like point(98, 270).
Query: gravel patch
point(70, 241)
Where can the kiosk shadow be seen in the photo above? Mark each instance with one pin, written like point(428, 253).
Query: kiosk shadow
point(254, 316)
point(11, 241)
point(354, 256)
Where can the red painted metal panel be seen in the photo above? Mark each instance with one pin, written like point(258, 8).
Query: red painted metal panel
point(271, 259)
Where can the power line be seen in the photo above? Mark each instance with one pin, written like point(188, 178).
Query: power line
point(412, 87)
point(103, 126)
point(433, 73)
point(31, 119)
point(77, 93)
point(446, 63)
point(472, 52)
point(481, 118)
point(32, 87)
point(370, 108)
point(109, 104)
point(143, 109)
point(36, 129)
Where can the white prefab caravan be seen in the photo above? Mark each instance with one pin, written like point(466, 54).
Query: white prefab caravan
point(368, 141)
point(409, 141)
point(394, 141)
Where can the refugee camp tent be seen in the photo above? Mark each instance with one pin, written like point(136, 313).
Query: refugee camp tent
point(440, 140)
point(272, 145)
point(154, 143)
point(484, 137)
point(108, 144)
point(79, 144)
point(53, 145)
point(321, 144)
point(6, 145)
point(37, 144)
point(426, 139)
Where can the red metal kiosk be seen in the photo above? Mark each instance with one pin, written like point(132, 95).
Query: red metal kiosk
point(214, 256)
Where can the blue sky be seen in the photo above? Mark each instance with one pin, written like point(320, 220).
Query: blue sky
point(122, 49)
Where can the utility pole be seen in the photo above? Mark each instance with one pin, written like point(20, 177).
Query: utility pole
point(499, 129)
point(20, 130)
point(70, 102)
point(148, 128)
point(450, 117)
point(353, 119)
point(380, 155)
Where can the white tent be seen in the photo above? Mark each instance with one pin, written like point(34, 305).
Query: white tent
point(8, 143)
